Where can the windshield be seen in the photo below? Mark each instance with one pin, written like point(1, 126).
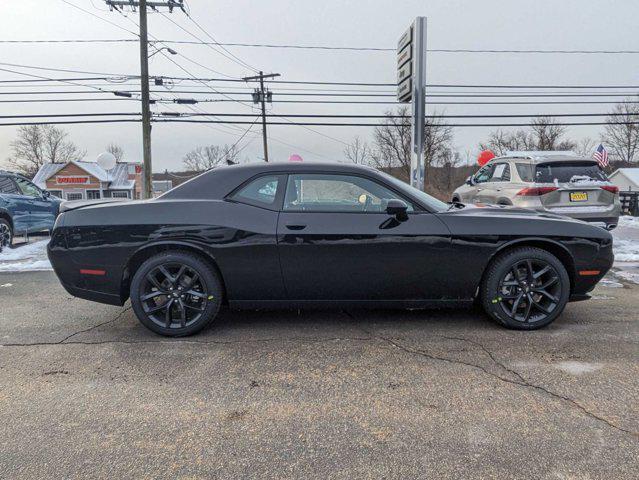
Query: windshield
point(569, 172)
point(430, 202)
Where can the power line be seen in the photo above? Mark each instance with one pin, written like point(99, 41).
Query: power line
point(100, 18)
point(325, 124)
point(228, 55)
point(329, 47)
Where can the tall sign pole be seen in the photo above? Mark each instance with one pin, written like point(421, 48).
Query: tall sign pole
point(411, 88)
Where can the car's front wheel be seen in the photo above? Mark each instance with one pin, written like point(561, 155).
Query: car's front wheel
point(525, 288)
point(176, 293)
point(6, 234)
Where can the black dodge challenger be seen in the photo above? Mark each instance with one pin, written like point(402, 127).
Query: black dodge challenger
point(321, 235)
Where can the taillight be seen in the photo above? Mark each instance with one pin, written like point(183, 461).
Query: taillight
point(536, 191)
point(611, 188)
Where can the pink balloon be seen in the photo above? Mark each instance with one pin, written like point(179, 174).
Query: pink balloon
point(295, 158)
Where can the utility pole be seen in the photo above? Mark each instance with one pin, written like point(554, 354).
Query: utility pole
point(262, 96)
point(141, 5)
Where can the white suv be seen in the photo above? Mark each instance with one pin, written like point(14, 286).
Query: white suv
point(562, 183)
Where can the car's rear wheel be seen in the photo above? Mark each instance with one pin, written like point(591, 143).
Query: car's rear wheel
point(6, 234)
point(176, 293)
point(525, 288)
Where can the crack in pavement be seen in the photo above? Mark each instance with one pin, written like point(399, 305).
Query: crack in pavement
point(191, 342)
point(522, 382)
point(113, 320)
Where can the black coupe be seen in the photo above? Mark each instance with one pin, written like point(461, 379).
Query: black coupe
point(321, 235)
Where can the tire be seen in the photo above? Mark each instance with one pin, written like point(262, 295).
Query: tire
point(525, 288)
point(176, 294)
point(6, 234)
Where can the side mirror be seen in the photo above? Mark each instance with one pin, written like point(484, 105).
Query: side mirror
point(46, 194)
point(398, 208)
point(469, 181)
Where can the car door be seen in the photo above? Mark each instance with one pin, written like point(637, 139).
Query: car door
point(16, 205)
point(336, 242)
point(476, 186)
point(481, 180)
point(491, 190)
point(41, 209)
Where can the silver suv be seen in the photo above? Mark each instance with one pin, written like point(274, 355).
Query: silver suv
point(562, 183)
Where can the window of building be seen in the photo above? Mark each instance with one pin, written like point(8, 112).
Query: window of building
point(260, 192)
point(93, 194)
point(56, 193)
point(7, 186)
point(336, 193)
point(28, 188)
point(75, 196)
point(120, 194)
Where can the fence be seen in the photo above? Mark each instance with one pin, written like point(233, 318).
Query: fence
point(629, 203)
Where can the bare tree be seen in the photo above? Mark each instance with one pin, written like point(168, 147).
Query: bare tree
point(206, 158)
point(548, 135)
point(116, 150)
point(623, 139)
point(40, 144)
point(358, 152)
point(585, 147)
point(393, 142)
point(544, 133)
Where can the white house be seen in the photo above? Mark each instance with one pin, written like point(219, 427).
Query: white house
point(627, 179)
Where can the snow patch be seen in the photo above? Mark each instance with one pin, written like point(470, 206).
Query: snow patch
point(577, 368)
point(27, 258)
point(6, 285)
point(628, 221)
point(609, 283)
point(629, 276)
point(626, 250)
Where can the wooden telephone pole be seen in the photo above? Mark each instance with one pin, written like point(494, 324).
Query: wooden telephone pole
point(262, 96)
point(142, 6)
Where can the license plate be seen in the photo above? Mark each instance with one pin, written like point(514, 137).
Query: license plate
point(578, 196)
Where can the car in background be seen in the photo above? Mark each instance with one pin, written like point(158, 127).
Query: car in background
point(24, 208)
point(561, 183)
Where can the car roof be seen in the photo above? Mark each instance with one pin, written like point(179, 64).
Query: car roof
point(531, 159)
point(219, 182)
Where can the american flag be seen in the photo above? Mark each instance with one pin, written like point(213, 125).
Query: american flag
point(601, 155)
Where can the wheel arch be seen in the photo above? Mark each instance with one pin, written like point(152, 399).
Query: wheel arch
point(551, 246)
point(147, 251)
point(5, 215)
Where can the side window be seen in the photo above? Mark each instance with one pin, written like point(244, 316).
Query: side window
point(28, 188)
point(501, 173)
point(336, 193)
point(7, 186)
point(260, 192)
point(484, 174)
point(525, 171)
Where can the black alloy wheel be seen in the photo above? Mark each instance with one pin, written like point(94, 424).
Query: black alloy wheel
point(6, 234)
point(526, 288)
point(176, 293)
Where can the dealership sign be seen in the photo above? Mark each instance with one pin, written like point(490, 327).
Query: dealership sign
point(72, 180)
point(405, 66)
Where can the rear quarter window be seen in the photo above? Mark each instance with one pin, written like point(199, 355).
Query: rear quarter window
point(7, 186)
point(261, 192)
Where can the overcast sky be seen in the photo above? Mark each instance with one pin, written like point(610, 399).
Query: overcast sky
point(549, 24)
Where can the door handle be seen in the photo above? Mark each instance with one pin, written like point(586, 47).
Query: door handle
point(296, 227)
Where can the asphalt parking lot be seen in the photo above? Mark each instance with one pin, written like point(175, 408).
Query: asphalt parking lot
point(86, 391)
